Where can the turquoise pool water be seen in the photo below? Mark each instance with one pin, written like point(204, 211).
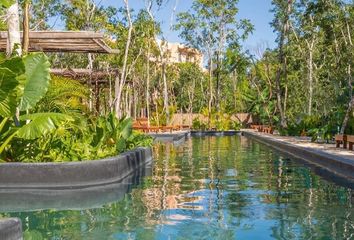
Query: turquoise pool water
point(207, 188)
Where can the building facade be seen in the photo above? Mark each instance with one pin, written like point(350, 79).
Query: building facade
point(179, 53)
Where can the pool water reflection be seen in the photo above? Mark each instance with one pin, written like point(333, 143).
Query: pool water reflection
point(211, 188)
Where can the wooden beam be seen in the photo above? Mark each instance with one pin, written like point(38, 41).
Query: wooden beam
point(64, 41)
point(59, 34)
point(85, 73)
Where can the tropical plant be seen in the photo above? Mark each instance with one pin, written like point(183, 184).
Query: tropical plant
point(197, 124)
point(87, 139)
point(23, 82)
point(65, 95)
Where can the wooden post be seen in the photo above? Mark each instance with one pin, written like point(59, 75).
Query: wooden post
point(97, 95)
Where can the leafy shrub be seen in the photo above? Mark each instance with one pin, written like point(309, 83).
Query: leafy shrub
point(197, 124)
point(218, 121)
point(235, 125)
point(23, 83)
point(317, 127)
point(37, 125)
point(87, 139)
point(63, 95)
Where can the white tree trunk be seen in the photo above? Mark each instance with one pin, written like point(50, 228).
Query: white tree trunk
point(14, 35)
point(165, 93)
point(147, 93)
point(121, 82)
point(210, 89)
point(310, 66)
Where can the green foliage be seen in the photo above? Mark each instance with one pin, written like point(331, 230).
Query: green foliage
point(218, 121)
point(317, 127)
point(18, 75)
point(38, 125)
point(6, 3)
point(85, 139)
point(235, 125)
point(324, 133)
point(23, 82)
point(199, 125)
point(8, 85)
point(200, 26)
point(37, 80)
point(65, 95)
point(188, 87)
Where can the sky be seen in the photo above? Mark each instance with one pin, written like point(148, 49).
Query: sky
point(258, 11)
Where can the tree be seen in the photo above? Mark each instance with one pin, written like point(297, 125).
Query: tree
point(211, 26)
point(120, 83)
point(281, 24)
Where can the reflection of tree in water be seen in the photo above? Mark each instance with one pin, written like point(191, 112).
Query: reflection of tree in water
point(305, 206)
point(237, 204)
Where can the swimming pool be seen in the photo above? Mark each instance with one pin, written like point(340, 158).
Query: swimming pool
point(207, 188)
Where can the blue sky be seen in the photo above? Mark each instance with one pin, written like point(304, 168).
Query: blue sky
point(258, 11)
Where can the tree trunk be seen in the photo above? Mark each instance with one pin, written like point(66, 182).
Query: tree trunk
point(235, 83)
point(147, 94)
point(310, 77)
point(210, 90)
point(25, 38)
point(350, 104)
point(282, 68)
point(217, 100)
point(90, 67)
point(110, 89)
point(135, 100)
point(165, 93)
point(121, 82)
point(13, 25)
point(13, 46)
point(285, 101)
point(97, 95)
point(350, 85)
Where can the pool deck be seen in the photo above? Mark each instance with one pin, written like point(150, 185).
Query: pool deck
point(336, 160)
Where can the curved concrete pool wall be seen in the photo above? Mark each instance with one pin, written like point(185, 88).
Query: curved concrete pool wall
point(28, 200)
point(73, 174)
point(10, 229)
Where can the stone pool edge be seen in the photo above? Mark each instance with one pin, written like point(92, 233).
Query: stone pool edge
point(195, 133)
point(10, 229)
point(73, 175)
point(337, 165)
point(174, 137)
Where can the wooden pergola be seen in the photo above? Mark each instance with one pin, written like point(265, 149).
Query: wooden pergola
point(64, 41)
point(97, 79)
point(85, 75)
point(72, 42)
